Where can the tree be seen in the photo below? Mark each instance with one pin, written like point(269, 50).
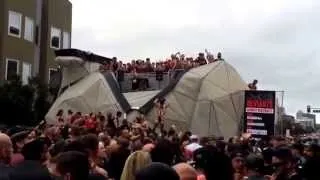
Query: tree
point(23, 104)
point(284, 124)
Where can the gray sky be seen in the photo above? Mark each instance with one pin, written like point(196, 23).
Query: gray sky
point(274, 41)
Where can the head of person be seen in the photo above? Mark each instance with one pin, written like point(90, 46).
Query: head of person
point(74, 145)
point(31, 136)
point(254, 165)
point(255, 82)
point(194, 139)
point(72, 165)
point(125, 133)
point(114, 59)
point(157, 171)
point(75, 131)
point(214, 164)
point(219, 55)
point(70, 112)
point(36, 150)
point(148, 147)
point(90, 143)
point(185, 171)
point(60, 113)
point(297, 149)
point(311, 150)
point(6, 149)
point(134, 163)
point(238, 161)
point(53, 133)
point(283, 160)
point(19, 140)
point(277, 141)
point(105, 139)
point(162, 152)
point(201, 55)
point(57, 148)
point(119, 114)
point(102, 150)
point(123, 143)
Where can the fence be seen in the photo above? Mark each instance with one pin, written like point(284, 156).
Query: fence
point(126, 84)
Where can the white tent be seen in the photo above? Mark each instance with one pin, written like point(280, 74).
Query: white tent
point(138, 99)
point(90, 94)
point(74, 68)
point(207, 100)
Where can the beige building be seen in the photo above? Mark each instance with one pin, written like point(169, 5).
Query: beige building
point(30, 32)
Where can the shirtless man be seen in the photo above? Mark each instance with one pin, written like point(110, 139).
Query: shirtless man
point(161, 111)
point(6, 151)
point(185, 171)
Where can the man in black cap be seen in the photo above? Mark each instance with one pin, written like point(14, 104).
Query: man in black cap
point(255, 167)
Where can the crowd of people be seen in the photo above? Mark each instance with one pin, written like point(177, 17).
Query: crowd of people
point(97, 146)
point(176, 62)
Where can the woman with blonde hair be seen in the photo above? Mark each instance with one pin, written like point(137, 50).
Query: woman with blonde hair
point(135, 162)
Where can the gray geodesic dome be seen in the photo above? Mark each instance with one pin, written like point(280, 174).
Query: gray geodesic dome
point(207, 100)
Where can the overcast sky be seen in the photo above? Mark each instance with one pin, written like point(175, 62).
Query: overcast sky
point(274, 41)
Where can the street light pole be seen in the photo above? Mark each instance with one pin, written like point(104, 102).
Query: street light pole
point(282, 96)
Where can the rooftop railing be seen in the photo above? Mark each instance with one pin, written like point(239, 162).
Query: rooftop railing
point(145, 81)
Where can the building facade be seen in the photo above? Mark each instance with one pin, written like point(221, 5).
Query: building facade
point(30, 32)
point(306, 119)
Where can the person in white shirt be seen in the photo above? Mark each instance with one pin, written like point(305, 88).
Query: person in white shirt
point(194, 145)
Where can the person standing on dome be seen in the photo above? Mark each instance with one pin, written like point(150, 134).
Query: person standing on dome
point(253, 85)
point(219, 57)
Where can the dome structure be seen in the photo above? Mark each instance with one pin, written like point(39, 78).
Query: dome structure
point(208, 100)
point(94, 93)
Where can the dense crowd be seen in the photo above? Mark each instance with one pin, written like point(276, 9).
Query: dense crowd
point(176, 62)
point(96, 146)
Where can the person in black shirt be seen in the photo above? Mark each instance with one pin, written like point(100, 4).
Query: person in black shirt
point(253, 85)
point(201, 59)
point(73, 165)
point(219, 57)
point(284, 164)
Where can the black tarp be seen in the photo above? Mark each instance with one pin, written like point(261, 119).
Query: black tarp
point(114, 86)
point(85, 55)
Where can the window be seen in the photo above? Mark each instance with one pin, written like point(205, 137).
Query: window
point(66, 40)
point(14, 24)
point(12, 69)
point(55, 38)
point(28, 29)
point(26, 72)
point(37, 35)
point(52, 72)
